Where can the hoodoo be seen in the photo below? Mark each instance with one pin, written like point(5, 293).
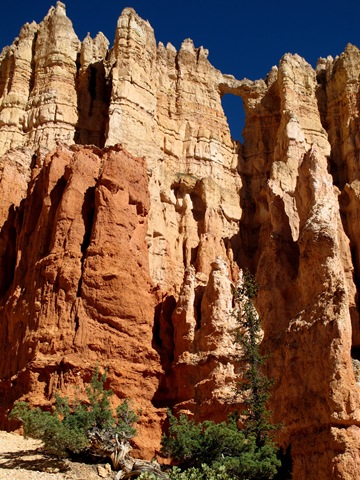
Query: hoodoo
point(127, 212)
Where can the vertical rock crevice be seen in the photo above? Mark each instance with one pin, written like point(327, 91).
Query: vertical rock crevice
point(88, 216)
point(93, 92)
point(8, 252)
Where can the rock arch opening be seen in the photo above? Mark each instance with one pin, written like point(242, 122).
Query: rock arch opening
point(233, 107)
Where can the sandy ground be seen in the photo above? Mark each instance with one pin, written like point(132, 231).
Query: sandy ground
point(23, 459)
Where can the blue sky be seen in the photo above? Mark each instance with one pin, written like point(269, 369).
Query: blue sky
point(244, 38)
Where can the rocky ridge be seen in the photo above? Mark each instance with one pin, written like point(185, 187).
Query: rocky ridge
point(127, 259)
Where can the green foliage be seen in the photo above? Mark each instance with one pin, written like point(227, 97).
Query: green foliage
point(147, 476)
point(255, 385)
point(59, 435)
point(223, 448)
point(204, 443)
point(202, 473)
point(223, 451)
point(66, 429)
point(125, 420)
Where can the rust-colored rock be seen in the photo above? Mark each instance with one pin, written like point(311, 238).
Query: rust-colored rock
point(114, 259)
point(83, 250)
point(202, 377)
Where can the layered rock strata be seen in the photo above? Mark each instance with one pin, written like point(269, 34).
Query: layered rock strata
point(127, 259)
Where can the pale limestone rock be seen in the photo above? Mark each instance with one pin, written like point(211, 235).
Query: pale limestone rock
point(16, 73)
point(43, 98)
point(38, 98)
point(93, 91)
point(341, 84)
point(183, 318)
point(301, 228)
point(216, 308)
point(302, 254)
point(180, 122)
point(186, 140)
point(206, 352)
point(52, 103)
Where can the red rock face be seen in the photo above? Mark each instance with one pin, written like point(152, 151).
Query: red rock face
point(110, 259)
point(83, 251)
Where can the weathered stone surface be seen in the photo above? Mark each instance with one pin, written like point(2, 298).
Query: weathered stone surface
point(205, 366)
point(38, 96)
point(304, 266)
point(16, 77)
point(172, 103)
point(82, 248)
point(93, 91)
point(14, 179)
point(109, 258)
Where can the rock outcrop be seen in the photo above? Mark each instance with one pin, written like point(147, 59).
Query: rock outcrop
point(123, 253)
point(82, 203)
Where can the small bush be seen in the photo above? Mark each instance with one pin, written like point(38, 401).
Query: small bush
point(147, 476)
point(67, 429)
point(220, 449)
point(202, 473)
point(193, 444)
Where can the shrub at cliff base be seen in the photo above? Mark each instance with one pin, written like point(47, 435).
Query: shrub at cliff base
point(83, 426)
point(205, 473)
point(220, 451)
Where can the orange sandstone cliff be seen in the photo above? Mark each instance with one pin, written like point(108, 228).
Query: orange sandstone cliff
point(127, 211)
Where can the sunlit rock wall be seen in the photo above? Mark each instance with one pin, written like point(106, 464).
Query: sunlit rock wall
point(126, 255)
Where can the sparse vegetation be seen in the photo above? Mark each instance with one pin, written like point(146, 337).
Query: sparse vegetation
point(81, 426)
point(232, 449)
point(255, 386)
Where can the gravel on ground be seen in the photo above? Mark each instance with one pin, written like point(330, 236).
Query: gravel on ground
point(23, 459)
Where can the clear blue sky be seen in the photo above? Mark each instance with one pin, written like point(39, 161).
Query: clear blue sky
point(245, 38)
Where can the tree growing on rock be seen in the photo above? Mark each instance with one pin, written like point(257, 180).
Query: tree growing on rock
point(255, 385)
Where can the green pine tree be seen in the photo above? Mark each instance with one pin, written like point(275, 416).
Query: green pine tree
point(224, 451)
point(255, 386)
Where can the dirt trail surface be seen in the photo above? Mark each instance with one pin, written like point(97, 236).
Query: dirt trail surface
point(23, 459)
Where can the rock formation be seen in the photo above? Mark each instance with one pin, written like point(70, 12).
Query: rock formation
point(127, 210)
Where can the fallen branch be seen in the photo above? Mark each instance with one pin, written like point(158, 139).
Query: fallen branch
point(107, 443)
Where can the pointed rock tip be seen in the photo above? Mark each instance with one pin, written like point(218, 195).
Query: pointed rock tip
point(170, 47)
point(294, 59)
point(130, 12)
point(59, 9)
point(100, 36)
point(351, 48)
point(28, 27)
point(188, 45)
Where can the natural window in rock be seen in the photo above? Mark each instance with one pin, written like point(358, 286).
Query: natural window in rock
point(234, 110)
